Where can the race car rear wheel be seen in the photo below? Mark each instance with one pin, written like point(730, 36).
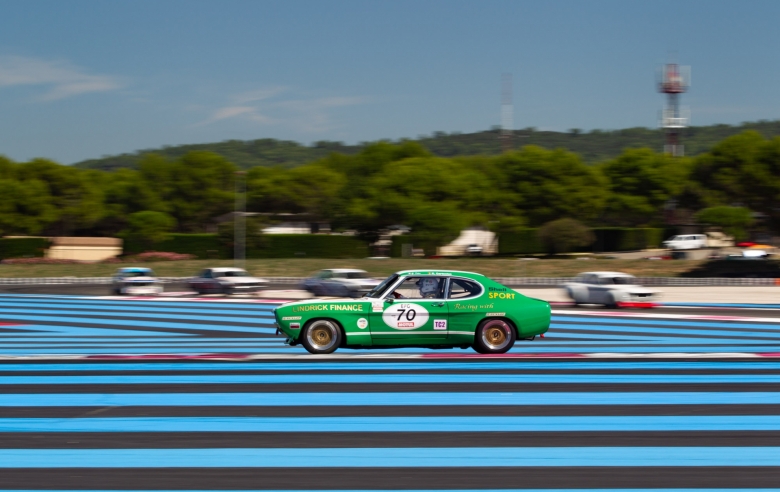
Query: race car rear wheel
point(321, 336)
point(494, 336)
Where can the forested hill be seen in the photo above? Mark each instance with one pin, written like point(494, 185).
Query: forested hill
point(593, 146)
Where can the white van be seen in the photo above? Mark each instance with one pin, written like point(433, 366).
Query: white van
point(686, 241)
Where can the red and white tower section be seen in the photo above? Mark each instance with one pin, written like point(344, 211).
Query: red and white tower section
point(674, 80)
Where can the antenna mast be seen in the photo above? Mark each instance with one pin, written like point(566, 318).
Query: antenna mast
point(507, 112)
point(674, 81)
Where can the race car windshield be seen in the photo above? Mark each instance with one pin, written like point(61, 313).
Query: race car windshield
point(377, 291)
point(147, 273)
point(237, 273)
point(357, 275)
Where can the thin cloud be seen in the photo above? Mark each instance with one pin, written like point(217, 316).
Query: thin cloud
point(311, 115)
point(60, 79)
point(258, 95)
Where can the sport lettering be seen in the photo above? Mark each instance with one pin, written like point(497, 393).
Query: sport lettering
point(501, 295)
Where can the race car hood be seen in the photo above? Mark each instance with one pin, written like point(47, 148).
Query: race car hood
point(320, 300)
point(242, 280)
point(131, 280)
point(634, 289)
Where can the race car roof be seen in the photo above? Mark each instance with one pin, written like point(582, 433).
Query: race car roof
point(438, 272)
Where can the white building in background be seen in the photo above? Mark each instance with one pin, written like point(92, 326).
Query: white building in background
point(473, 241)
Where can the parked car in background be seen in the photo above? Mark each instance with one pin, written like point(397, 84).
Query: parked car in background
point(473, 250)
point(712, 239)
point(686, 241)
point(226, 280)
point(136, 281)
point(340, 282)
point(608, 288)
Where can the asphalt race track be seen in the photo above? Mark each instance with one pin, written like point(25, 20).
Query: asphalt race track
point(177, 394)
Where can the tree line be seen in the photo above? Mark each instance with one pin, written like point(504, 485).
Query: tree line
point(398, 183)
point(593, 146)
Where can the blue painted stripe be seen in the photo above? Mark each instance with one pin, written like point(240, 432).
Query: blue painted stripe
point(391, 457)
point(148, 308)
point(39, 330)
point(662, 323)
point(384, 399)
point(524, 349)
point(697, 364)
point(172, 349)
point(140, 323)
point(392, 378)
point(665, 331)
point(66, 313)
point(395, 424)
point(248, 304)
point(722, 305)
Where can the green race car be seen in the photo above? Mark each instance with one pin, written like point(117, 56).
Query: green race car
point(418, 308)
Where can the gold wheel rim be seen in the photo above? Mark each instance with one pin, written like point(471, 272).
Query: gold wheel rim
point(321, 337)
point(494, 336)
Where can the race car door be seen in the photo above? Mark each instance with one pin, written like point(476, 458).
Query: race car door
point(414, 310)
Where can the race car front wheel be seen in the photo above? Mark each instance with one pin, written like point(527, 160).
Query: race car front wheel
point(494, 336)
point(321, 336)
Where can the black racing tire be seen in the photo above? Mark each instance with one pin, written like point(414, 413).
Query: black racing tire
point(321, 336)
point(494, 336)
point(611, 303)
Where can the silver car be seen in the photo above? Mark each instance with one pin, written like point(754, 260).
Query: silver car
point(226, 280)
point(135, 281)
point(612, 289)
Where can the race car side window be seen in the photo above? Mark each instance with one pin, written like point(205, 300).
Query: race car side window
point(420, 288)
point(206, 274)
point(461, 288)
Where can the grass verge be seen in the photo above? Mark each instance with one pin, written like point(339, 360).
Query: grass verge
point(303, 267)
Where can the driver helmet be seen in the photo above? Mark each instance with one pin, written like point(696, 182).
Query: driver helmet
point(428, 287)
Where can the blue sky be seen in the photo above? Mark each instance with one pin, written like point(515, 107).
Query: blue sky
point(81, 79)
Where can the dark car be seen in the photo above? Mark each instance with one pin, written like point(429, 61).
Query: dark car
point(339, 282)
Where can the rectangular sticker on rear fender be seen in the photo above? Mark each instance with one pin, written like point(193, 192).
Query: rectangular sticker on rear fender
point(295, 326)
point(440, 324)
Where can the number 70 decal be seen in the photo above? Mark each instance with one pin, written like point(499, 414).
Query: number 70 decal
point(405, 316)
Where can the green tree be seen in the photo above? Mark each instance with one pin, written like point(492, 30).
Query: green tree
point(734, 221)
point(640, 181)
point(25, 207)
point(547, 185)
point(565, 235)
point(743, 170)
point(195, 188)
point(149, 227)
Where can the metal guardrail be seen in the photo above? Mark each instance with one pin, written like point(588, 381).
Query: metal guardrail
point(513, 281)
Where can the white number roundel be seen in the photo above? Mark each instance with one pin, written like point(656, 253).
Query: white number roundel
point(405, 316)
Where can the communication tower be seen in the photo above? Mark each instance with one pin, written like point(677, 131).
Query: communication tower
point(507, 112)
point(674, 80)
